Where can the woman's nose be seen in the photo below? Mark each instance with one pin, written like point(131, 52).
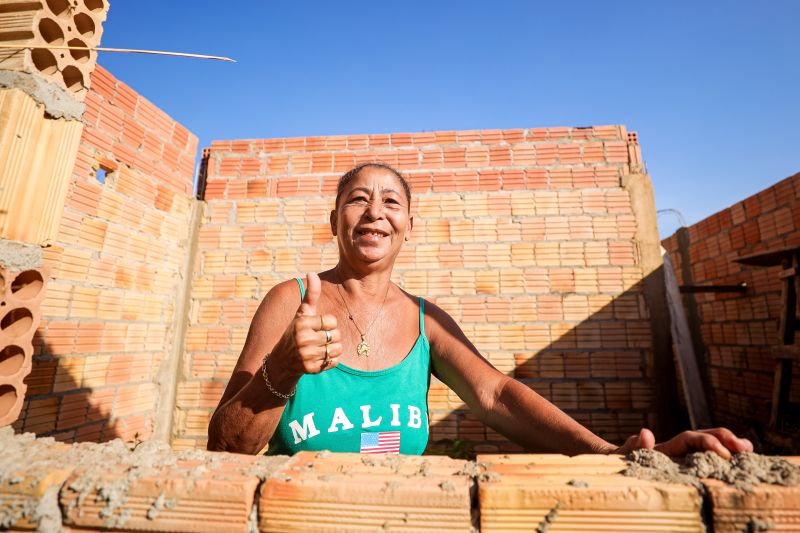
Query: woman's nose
point(375, 209)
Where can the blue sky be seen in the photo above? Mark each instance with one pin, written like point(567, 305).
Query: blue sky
point(713, 88)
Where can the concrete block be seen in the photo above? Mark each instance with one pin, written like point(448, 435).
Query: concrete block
point(584, 493)
point(350, 492)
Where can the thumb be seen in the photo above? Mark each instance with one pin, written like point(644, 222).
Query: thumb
point(308, 307)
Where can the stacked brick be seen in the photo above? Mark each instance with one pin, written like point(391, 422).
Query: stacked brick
point(116, 268)
point(738, 330)
point(53, 23)
point(20, 308)
point(87, 487)
point(583, 493)
point(350, 492)
point(762, 508)
point(525, 236)
point(37, 155)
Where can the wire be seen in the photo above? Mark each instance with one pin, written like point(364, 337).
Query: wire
point(121, 50)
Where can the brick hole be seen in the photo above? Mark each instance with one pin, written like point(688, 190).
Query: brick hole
point(78, 55)
point(17, 322)
point(73, 77)
point(11, 360)
point(44, 60)
point(84, 24)
point(94, 5)
point(27, 285)
point(51, 31)
point(8, 398)
point(103, 172)
point(58, 7)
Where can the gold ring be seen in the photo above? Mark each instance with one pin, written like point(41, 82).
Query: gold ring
point(328, 337)
point(327, 359)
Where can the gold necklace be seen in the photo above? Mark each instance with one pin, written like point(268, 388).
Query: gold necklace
point(362, 350)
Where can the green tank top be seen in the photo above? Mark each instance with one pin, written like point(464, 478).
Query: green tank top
point(349, 410)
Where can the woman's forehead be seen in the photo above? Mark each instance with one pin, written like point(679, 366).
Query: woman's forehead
point(372, 177)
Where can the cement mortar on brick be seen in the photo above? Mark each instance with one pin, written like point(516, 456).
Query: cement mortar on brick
point(643, 204)
point(30, 460)
point(743, 471)
point(19, 256)
point(170, 368)
point(57, 102)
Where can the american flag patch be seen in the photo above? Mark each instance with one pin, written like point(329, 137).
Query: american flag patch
point(383, 442)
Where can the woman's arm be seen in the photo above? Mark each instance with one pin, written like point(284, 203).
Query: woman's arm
point(525, 417)
point(248, 412)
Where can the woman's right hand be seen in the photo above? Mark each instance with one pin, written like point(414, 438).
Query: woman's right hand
point(304, 346)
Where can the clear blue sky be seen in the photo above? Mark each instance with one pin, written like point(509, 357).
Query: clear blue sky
point(713, 88)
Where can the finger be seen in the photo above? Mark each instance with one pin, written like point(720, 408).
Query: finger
point(730, 440)
point(332, 362)
point(699, 441)
point(308, 307)
point(335, 335)
point(335, 349)
point(646, 439)
point(328, 322)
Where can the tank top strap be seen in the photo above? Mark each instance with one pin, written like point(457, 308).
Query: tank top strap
point(421, 306)
point(421, 316)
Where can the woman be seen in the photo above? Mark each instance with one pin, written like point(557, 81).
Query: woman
point(349, 356)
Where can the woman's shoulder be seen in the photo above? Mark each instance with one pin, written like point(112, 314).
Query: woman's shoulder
point(285, 294)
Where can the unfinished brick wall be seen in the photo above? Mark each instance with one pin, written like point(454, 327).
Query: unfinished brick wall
point(108, 488)
point(107, 320)
point(525, 236)
point(738, 330)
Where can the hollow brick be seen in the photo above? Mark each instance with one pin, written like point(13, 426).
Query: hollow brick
point(586, 493)
point(369, 492)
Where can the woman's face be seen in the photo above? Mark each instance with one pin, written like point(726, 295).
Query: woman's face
point(372, 218)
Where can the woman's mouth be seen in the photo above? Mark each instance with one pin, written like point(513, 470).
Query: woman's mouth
point(370, 235)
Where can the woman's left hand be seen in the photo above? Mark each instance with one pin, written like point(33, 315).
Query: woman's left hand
point(718, 440)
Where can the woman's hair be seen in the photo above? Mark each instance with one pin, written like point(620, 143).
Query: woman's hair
point(353, 172)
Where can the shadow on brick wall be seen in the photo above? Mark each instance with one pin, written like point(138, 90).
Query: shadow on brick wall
point(614, 372)
point(59, 407)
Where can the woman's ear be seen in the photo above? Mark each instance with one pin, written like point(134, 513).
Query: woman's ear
point(409, 227)
point(334, 229)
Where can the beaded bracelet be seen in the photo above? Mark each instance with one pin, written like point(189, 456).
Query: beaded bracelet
point(269, 385)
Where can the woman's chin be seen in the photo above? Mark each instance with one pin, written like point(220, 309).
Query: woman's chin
point(371, 254)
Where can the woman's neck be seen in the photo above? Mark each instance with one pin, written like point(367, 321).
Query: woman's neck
point(373, 285)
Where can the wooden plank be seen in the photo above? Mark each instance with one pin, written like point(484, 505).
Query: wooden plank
point(788, 320)
point(693, 390)
point(769, 258)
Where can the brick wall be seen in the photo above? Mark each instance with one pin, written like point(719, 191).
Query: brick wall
point(116, 266)
point(738, 330)
point(525, 236)
point(108, 488)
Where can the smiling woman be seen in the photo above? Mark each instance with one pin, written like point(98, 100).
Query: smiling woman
point(343, 361)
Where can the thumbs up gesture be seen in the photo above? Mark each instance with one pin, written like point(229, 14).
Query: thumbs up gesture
point(315, 337)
